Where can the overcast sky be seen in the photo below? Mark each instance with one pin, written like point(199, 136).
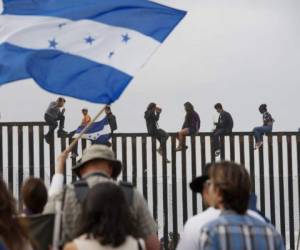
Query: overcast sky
point(240, 53)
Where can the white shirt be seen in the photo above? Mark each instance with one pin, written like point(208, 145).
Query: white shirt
point(190, 239)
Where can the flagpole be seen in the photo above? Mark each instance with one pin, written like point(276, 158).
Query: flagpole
point(71, 146)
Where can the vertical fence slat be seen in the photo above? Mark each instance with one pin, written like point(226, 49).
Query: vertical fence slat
point(174, 184)
point(242, 149)
point(134, 161)
point(52, 158)
point(262, 179)
point(154, 177)
point(251, 162)
point(193, 163)
point(20, 158)
point(222, 142)
point(31, 150)
point(281, 187)
point(10, 157)
point(271, 176)
point(290, 192)
point(184, 185)
point(41, 152)
point(232, 148)
point(63, 147)
point(212, 153)
point(124, 158)
point(298, 168)
point(165, 193)
point(144, 166)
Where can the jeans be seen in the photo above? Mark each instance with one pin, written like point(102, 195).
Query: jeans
point(216, 137)
point(53, 123)
point(260, 131)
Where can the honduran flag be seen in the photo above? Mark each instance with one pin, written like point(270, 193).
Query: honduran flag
point(99, 132)
point(88, 49)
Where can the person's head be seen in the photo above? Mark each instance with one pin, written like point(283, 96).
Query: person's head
point(151, 106)
point(219, 107)
point(60, 102)
point(106, 215)
point(34, 195)
point(262, 108)
point(188, 107)
point(98, 158)
point(107, 110)
point(201, 185)
point(84, 111)
point(13, 233)
point(230, 186)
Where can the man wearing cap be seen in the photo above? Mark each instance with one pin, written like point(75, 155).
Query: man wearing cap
point(98, 164)
point(190, 237)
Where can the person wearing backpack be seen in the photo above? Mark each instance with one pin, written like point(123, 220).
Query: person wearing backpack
point(106, 222)
point(97, 165)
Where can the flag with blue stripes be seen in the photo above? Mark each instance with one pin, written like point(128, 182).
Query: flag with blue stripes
point(87, 49)
point(99, 132)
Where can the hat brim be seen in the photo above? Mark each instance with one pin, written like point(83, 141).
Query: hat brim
point(198, 183)
point(117, 166)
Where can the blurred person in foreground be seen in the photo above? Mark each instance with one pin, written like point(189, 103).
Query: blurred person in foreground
point(97, 165)
point(34, 196)
point(13, 234)
point(106, 221)
point(229, 190)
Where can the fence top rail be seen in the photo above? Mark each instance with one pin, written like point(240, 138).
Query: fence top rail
point(129, 134)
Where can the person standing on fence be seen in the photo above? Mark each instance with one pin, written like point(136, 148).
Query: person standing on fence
point(229, 191)
point(152, 116)
point(54, 113)
point(190, 126)
point(112, 121)
point(97, 165)
point(86, 119)
point(223, 127)
point(265, 128)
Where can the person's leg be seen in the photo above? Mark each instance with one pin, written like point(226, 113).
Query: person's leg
point(52, 125)
point(61, 132)
point(181, 135)
point(216, 139)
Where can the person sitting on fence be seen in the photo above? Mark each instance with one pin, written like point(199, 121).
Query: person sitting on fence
point(152, 116)
point(223, 126)
point(190, 126)
point(34, 196)
point(97, 165)
point(265, 128)
point(54, 114)
point(13, 234)
point(112, 121)
point(229, 191)
point(190, 236)
point(106, 221)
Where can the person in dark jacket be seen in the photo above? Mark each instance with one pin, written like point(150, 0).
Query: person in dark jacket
point(152, 116)
point(223, 126)
point(112, 121)
point(265, 128)
point(190, 126)
point(55, 112)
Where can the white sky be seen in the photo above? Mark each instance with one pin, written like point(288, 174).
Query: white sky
point(238, 52)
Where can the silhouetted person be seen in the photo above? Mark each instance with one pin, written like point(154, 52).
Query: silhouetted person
point(152, 116)
point(190, 126)
point(223, 126)
point(54, 114)
point(265, 128)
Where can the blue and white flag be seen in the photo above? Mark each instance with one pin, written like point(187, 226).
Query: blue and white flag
point(88, 49)
point(99, 132)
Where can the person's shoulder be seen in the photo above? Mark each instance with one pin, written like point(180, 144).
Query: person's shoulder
point(202, 219)
point(70, 246)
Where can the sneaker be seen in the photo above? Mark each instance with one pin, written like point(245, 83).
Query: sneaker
point(180, 148)
point(258, 145)
point(74, 155)
point(217, 152)
point(62, 133)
